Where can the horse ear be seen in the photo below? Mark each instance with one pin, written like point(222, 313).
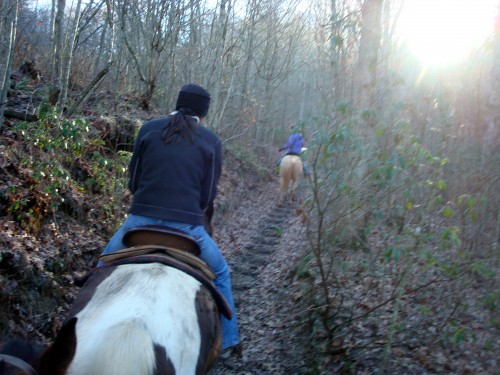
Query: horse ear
point(58, 357)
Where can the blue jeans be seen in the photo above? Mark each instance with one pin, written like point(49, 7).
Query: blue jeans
point(210, 253)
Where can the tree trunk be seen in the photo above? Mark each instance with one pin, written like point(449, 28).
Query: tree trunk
point(492, 118)
point(102, 47)
point(219, 94)
point(249, 46)
point(57, 48)
point(72, 35)
point(52, 65)
point(369, 46)
point(86, 93)
point(148, 30)
point(8, 26)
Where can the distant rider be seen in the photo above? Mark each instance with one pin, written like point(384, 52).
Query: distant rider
point(295, 145)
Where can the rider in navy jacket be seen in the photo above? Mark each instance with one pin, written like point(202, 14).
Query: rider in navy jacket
point(174, 173)
point(165, 181)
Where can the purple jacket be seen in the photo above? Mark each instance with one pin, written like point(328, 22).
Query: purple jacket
point(295, 143)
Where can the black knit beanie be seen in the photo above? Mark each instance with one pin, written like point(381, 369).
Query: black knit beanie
point(194, 97)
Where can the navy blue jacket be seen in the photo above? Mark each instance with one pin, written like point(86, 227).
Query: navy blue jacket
point(174, 181)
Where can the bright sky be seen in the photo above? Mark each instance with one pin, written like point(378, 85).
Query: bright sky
point(444, 31)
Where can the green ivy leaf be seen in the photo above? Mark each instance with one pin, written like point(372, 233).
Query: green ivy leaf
point(471, 202)
point(379, 132)
point(473, 215)
point(460, 199)
point(448, 212)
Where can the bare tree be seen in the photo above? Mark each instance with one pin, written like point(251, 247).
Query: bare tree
point(216, 60)
point(57, 47)
point(148, 29)
point(491, 134)
point(68, 55)
point(9, 11)
point(369, 47)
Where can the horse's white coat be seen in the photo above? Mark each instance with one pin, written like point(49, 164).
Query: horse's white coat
point(132, 309)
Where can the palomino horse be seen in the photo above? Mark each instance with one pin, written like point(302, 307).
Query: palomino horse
point(290, 172)
point(144, 312)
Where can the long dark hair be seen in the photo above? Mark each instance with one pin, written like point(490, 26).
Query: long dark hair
point(180, 124)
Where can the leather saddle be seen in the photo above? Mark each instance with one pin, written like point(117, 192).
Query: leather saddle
point(160, 235)
point(168, 246)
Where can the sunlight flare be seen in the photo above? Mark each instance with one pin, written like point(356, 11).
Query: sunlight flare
point(445, 31)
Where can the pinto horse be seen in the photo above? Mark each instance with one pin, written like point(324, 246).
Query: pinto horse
point(140, 316)
point(290, 172)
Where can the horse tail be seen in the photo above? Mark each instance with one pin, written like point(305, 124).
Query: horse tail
point(128, 350)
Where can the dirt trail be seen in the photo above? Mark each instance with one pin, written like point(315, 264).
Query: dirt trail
point(262, 255)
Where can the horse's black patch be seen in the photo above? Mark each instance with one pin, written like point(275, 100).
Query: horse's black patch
point(58, 357)
point(163, 364)
point(210, 330)
point(86, 294)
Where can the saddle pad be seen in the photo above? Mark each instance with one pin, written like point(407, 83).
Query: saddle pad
point(180, 255)
point(160, 235)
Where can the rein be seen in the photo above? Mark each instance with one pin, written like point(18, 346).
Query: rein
point(19, 363)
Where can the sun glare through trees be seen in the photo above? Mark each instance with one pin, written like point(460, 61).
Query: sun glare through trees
point(445, 31)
